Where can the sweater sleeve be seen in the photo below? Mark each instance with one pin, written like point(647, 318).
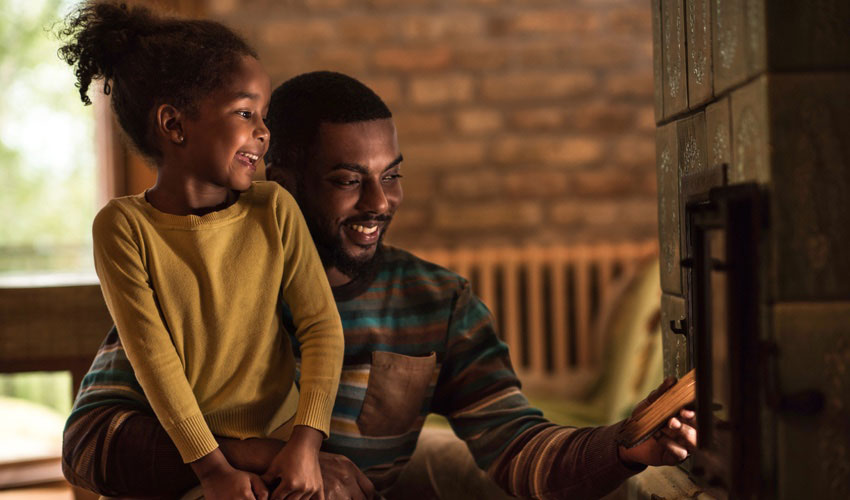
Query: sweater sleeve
point(527, 455)
point(120, 265)
point(318, 327)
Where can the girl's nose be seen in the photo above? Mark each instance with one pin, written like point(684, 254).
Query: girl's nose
point(262, 132)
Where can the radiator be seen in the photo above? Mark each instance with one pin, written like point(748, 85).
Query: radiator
point(546, 299)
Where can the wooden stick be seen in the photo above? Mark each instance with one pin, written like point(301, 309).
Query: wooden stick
point(645, 422)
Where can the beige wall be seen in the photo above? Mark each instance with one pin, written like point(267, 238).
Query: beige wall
point(522, 121)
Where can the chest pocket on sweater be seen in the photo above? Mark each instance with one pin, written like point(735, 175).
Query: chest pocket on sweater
point(395, 392)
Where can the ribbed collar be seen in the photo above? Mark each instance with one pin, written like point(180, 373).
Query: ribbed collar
point(237, 210)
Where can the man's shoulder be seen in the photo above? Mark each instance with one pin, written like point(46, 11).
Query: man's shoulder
point(403, 264)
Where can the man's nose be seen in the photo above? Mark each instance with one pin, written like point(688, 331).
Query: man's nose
point(372, 198)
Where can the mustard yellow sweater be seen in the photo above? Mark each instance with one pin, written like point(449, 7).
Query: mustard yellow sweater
point(195, 301)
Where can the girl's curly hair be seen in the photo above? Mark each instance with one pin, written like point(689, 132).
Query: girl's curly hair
point(146, 60)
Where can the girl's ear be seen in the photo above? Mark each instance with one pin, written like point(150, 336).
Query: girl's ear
point(169, 124)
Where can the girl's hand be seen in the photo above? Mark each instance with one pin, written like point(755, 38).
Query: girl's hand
point(294, 473)
point(220, 480)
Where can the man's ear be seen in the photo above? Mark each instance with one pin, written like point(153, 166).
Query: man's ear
point(283, 176)
point(169, 124)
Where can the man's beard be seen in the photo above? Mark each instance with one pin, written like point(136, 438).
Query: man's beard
point(333, 254)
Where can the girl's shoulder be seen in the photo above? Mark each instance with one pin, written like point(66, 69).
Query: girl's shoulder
point(272, 193)
point(122, 208)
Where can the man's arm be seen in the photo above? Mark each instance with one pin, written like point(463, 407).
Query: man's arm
point(524, 453)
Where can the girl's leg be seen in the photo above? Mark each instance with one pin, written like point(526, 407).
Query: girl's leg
point(116, 451)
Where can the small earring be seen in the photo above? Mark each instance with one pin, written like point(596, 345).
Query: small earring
point(180, 139)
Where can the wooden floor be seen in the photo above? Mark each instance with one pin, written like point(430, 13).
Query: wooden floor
point(56, 492)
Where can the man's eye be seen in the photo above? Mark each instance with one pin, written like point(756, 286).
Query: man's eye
point(345, 182)
point(392, 177)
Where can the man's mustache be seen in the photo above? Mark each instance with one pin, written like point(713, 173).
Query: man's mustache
point(362, 220)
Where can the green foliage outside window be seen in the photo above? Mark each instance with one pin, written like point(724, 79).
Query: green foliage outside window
point(47, 162)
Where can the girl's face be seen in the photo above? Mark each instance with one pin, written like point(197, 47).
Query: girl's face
point(227, 137)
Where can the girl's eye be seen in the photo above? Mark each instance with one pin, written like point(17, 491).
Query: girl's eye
point(245, 114)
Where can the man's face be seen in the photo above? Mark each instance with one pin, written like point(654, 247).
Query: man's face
point(349, 193)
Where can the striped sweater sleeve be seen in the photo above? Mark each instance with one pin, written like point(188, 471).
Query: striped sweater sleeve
point(524, 453)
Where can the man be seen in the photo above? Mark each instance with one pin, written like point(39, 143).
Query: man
point(417, 342)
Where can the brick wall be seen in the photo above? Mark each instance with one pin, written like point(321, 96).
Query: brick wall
point(520, 121)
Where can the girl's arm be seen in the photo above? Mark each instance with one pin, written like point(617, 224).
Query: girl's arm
point(305, 290)
point(304, 287)
point(124, 280)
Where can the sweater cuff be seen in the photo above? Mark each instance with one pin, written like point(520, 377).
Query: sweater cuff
point(314, 410)
point(193, 438)
point(605, 455)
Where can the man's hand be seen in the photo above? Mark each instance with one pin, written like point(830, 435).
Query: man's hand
point(220, 480)
point(672, 443)
point(343, 480)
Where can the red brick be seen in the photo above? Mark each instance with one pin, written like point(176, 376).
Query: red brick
point(441, 89)
point(476, 121)
point(501, 215)
point(599, 116)
point(605, 213)
point(634, 84)
point(282, 64)
point(557, 151)
point(362, 29)
point(549, 21)
point(536, 86)
point(537, 54)
point(412, 59)
point(645, 120)
point(388, 88)
point(443, 153)
point(283, 35)
point(439, 27)
point(395, 27)
point(416, 124)
point(607, 53)
point(324, 5)
point(608, 181)
point(471, 184)
point(489, 56)
point(538, 118)
point(635, 151)
point(419, 185)
point(629, 20)
point(384, 5)
point(535, 183)
point(221, 7)
point(349, 60)
point(408, 218)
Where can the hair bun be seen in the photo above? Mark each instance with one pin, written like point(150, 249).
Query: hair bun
point(99, 36)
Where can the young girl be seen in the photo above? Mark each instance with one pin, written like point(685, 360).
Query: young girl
point(192, 269)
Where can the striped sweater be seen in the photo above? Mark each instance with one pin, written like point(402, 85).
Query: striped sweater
point(418, 341)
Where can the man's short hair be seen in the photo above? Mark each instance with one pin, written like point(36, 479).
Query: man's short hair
point(300, 105)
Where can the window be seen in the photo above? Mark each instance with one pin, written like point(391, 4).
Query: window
point(47, 159)
point(48, 199)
